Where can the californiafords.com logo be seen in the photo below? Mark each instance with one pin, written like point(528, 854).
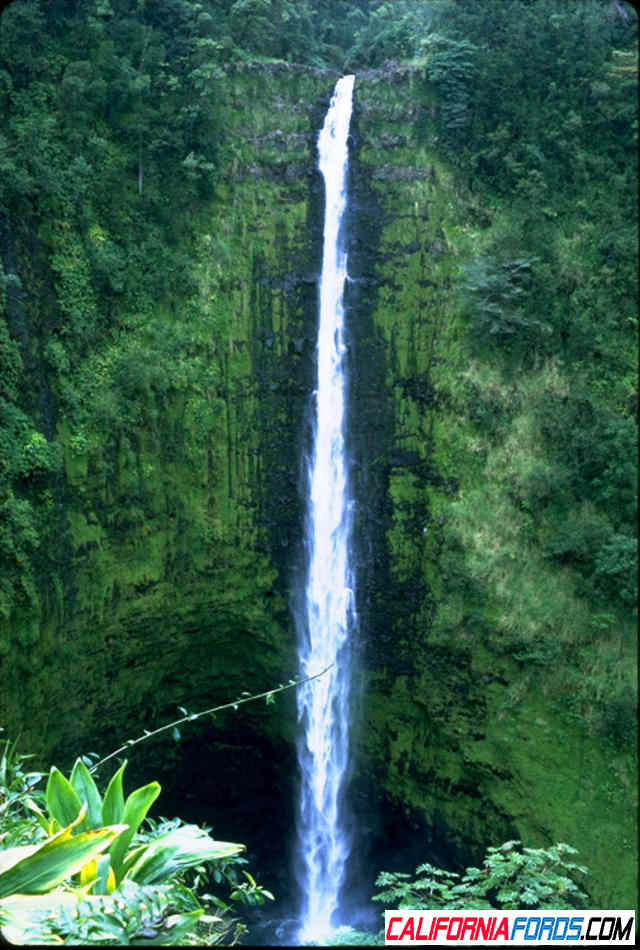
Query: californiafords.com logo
point(515, 927)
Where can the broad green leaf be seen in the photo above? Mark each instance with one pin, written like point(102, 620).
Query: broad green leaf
point(113, 804)
point(132, 857)
point(106, 881)
point(11, 856)
point(28, 915)
point(87, 791)
point(136, 807)
point(171, 853)
point(58, 858)
point(62, 800)
point(41, 817)
point(175, 927)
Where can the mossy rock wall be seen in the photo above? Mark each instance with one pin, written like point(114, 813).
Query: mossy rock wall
point(475, 649)
point(169, 576)
point(178, 537)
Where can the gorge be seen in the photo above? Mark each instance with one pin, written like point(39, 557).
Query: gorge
point(158, 346)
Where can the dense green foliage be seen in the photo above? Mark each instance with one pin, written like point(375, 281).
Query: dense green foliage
point(550, 140)
point(88, 868)
point(109, 124)
point(121, 368)
point(511, 877)
point(113, 121)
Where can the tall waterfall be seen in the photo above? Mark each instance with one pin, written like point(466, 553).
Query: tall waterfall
point(323, 705)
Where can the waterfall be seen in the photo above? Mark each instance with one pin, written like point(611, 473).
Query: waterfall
point(329, 612)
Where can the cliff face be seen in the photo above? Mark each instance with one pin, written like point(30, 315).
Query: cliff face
point(469, 719)
point(177, 520)
point(179, 533)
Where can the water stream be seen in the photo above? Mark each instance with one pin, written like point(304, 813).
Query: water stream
point(329, 612)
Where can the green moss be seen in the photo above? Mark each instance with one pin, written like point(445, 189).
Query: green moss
point(490, 719)
point(166, 589)
point(570, 787)
point(488, 704)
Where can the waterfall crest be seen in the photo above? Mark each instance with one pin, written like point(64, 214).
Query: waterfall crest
point(329, 614)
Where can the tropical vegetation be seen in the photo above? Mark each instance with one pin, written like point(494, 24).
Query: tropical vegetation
point(82, 867)
point(152, 395)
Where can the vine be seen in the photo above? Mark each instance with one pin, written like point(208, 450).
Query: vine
point(267, 695)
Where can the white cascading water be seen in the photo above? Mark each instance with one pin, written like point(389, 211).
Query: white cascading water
point(329, 614)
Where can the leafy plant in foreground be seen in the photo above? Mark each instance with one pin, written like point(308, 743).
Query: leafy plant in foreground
point(100, 871)
point(36, 869)
point(96, 857)
point(511, 877)
point(132, 915)
point(15, 783)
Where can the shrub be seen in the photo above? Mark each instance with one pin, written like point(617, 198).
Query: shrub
point(92, 872)
point(495, 289)
point(511, 877)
